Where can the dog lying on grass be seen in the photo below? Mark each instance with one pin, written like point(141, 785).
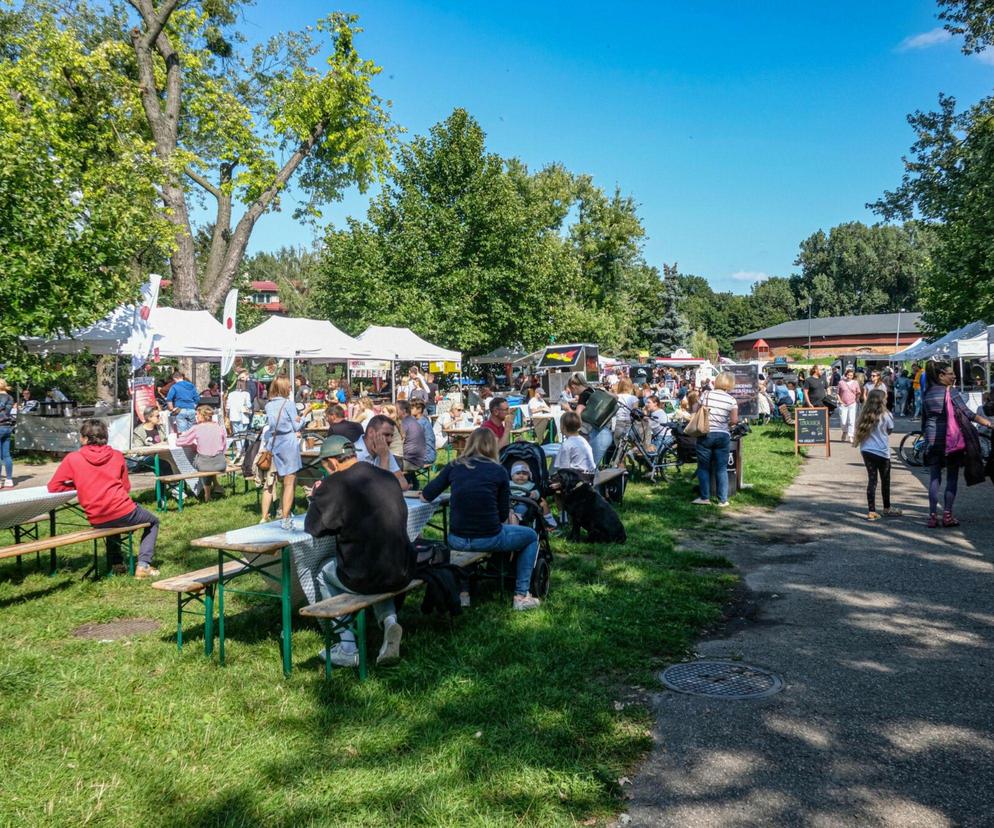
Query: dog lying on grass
point(587, 509)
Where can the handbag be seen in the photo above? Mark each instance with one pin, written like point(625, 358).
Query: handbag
point(264, 459)
point(831, 402)
point(699, 424)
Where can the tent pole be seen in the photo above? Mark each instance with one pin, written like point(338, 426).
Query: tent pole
point(393, 380)
point(116, 370)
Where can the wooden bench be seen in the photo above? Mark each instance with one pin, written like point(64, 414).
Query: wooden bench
point(347, 611)
point(167, 479)
point(57, 541)
point(603, 477)
point(198, 586)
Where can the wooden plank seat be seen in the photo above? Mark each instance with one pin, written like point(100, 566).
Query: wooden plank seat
point(347, 611)
point(165, 480)
point(58, 541)
point(604, 478)
point(197, 586)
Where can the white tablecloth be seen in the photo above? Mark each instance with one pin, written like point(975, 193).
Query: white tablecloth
point(309, 554)
point(20, 505)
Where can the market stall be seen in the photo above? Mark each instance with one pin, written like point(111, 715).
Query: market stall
point(403, 345)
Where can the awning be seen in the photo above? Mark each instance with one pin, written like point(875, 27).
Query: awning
point(403, 345)
point(498, 356)
point(315, 340)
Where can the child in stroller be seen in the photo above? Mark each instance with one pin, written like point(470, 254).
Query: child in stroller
point(523, 489)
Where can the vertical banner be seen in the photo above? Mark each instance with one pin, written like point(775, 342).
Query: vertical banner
point(144, 395)
point(746, 390)
point(141, 327)
point(228, 320)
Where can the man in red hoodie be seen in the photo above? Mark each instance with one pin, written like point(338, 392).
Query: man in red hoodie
point(98, 474)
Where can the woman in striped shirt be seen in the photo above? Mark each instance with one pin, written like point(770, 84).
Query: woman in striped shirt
point(713, 448)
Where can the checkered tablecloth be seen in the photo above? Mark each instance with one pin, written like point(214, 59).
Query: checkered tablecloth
point(309, 554)
point(20, 505)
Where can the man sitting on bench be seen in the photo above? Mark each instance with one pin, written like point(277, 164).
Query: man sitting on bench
point(100, 477)
point(362, 504)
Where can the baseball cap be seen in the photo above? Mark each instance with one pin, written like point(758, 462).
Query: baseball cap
point(520, 467)
point(336, 446)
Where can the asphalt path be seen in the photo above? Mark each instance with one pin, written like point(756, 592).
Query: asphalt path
point(883, 633)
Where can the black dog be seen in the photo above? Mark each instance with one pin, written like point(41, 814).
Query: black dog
point(587, 509)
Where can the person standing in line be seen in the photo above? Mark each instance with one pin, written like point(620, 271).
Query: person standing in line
point(815, 388)
point(902, 390)
point(872, 432)
point(183, 400)
point(714, 447)
point(849, 394)
point(6, 436)
point(944, 441)
point(281, 438)
point(239, 407)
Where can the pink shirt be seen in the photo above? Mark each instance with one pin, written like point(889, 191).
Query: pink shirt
point(210, 439)
point(848, 391)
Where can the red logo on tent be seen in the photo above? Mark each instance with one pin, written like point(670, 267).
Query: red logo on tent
point(155, 354)
point(229, 323)
point(144, 313)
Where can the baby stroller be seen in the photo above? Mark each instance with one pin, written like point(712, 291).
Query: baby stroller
point(534, 457)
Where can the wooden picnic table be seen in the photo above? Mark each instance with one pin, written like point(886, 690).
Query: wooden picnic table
point(155, 452)
point(22, 509)
point(458, 436)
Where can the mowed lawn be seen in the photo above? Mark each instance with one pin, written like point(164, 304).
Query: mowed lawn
point(502, 718)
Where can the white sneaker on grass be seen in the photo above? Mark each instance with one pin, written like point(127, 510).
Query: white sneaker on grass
point(390, 651)
point(340, 657)
point(525, 602)
point(700, 501)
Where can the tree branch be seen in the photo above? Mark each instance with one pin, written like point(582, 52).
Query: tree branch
point(158, 19)
point(203, 182)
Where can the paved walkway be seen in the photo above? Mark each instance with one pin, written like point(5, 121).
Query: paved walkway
point(884, 636)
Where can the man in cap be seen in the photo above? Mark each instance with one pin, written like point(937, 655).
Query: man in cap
point(363, 507)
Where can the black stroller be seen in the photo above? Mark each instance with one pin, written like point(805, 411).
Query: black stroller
point(534, 457)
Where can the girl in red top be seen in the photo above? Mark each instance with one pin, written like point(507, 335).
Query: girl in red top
point(100, 478)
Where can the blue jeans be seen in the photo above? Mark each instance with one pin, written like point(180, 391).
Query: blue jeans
point(712, 463)
point(6, 460)
point(662, 442)
point(520, 539)
point(600, 441)
point(185, 419)
point(329, 586)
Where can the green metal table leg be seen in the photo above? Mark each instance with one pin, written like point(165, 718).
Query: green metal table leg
point(179, 499)
point(209, 621)
point(220, 606)
point(52, 562)
point(360, 634)
point(327, 650)
point(179, 621)
point(285, 598)
point(131, 554)
point(159, 499)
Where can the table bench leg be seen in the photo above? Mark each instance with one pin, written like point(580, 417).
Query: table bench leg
point(209, 621)
point(360, 634)
point(52, 560)
point(287, 612)
point(220, 608)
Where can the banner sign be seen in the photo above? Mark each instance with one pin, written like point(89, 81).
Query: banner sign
point(746, 390)
point(143, 394)
point(228, 320)
point(141, 326)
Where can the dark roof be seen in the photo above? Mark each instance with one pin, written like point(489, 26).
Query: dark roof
point(872, 323)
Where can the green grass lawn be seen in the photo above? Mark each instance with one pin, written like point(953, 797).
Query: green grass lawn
point(504, 718)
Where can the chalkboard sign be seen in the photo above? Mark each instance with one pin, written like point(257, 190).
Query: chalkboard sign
point(811, 429)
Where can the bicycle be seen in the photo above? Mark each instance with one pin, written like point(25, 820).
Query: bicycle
point(633, 451)
point(912, 448)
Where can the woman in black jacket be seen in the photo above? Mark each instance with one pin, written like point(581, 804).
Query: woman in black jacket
point(480, 505)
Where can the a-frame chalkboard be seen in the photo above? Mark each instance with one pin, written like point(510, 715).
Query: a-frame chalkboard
point(811, 429)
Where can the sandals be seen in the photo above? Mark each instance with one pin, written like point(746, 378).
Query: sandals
point(873, 516)
point(948, 520)
point(933, 521)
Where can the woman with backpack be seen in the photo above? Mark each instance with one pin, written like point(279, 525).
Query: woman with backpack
point(945, 445)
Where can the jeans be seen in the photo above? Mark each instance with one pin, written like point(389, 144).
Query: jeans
point(185, 419)
point(600, 442)
point(6, 460)
point(329, 586)
point(918, 402)
point(952, 463)
point(712, 462)
point(149, 536)
point(520, 539)
point(662, 442)
point(900, 402)
point(876, 465)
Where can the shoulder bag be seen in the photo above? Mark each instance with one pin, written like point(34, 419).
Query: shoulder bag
point(699, 424)
point(264, 459)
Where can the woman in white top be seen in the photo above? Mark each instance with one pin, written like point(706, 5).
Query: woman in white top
point(239, 407)
point(540, 414)
point(627, 401)
point(455, 417)
point(714, 447)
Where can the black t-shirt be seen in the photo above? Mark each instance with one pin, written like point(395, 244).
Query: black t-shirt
point(365, 508)
point(347, 429)
point(584, 397)
point(481, 497)
point(815, 386)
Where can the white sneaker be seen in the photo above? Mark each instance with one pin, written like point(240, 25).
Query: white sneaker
point(525, 602)
point(340, 657)
point(464, 600)
point(287, 523)
point(723, 504)
point(9, 483)
point(390, 651)
point(700, 501)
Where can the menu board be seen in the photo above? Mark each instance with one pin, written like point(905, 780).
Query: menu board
point(746, 390)
point(811, 429)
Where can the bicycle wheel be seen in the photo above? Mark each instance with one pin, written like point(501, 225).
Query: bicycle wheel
point(910, 449)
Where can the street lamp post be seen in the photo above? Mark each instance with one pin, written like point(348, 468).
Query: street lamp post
point(897, 336)
point(809, 328)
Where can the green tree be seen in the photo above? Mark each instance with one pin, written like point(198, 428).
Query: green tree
point(669, 331)
point(77, 190)
point(703, 345)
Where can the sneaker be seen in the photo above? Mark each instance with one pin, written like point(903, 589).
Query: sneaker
point(893, 512)
point(390, 651)
point(723, 504)
point(9, 483)
point(700, 501)
point(340, 657)
point(464, 599)
point(146, 572)
point(933, 521)
point(287, 523)
point(525, 602)
point(550, 521)
point(873, 516)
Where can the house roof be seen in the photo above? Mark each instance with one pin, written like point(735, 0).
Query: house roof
point(266, 285)
point(870, 324)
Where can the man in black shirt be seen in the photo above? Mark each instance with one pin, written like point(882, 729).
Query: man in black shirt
point(814, 388)
point(337, 424)
point(363, 506)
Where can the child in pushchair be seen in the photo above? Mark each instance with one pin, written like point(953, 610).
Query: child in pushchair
point(524, 493)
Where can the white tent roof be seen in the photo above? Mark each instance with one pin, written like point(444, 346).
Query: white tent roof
point(406, 346)
point(974, 347)
point(945, 346)
point(316, 340)
point(175, 333)
point(909, 352)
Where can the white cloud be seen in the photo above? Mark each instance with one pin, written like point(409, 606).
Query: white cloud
point(924, 40)
point(986, 56)
point(750, 276)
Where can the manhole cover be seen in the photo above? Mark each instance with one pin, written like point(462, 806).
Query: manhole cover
point(721, 679)
point(122, 628)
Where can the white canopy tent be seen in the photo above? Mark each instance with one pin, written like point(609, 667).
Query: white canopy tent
point(404, 345)
point(974, 347)
point(942, 347)
point(315, 340)
point(909, 352)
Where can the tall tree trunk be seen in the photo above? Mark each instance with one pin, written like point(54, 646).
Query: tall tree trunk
point(106, 375)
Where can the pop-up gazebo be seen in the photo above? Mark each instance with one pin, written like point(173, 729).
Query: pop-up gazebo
point(404, 345)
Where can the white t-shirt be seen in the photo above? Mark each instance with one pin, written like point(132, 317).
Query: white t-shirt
point(239, 406)
point(575, 453)
point(364, 456)
point(876, 442)
point(720, 405)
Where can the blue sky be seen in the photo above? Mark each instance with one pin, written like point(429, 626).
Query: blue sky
point(739, 128)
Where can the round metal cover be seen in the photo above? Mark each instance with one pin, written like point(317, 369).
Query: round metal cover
point(121, 628)
point(721, 679)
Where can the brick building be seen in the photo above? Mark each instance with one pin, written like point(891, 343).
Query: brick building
point(875, 333)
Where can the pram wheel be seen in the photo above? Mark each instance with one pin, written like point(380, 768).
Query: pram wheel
point(541, 576)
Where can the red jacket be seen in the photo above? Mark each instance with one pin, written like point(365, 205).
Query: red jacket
point(100, 478)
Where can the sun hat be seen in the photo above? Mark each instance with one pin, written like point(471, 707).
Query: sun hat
point(336, 446)
point(519, 467)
